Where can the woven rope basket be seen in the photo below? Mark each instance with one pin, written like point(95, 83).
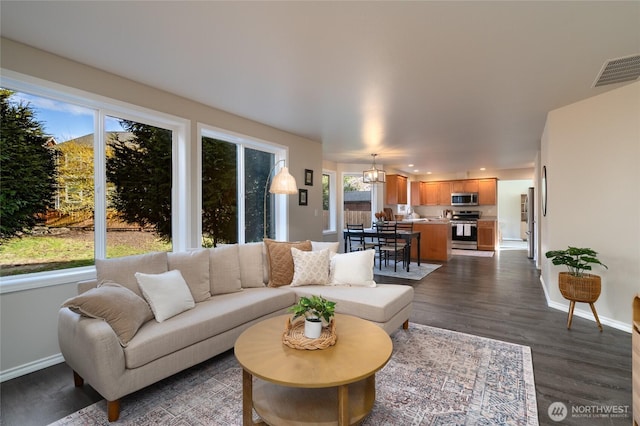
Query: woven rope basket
point(294, 337)
point(584, 289)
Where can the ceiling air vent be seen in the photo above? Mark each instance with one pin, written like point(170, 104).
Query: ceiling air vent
point(619, 70)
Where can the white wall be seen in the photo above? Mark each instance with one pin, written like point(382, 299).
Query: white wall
point(28, 339)
point(592, 153)
point(509, 193)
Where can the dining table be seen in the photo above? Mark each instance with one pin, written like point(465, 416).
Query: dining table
point(403, 234)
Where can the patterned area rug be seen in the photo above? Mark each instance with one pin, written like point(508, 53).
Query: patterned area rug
point(415, 272)
point(434, 377)
point(475, 253)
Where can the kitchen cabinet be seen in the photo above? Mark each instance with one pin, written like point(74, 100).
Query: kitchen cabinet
point(438, 193)
point(486, 235)
point(467, 185)
point(435, 241)
point(487, 192)
point(396, 189)
point(444, 193)
point(419, 193)
point(431, 193)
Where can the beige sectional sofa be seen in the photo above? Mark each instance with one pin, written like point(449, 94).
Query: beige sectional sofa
point(111, 336)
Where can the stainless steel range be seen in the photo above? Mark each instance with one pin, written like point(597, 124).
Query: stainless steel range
point(464, 229)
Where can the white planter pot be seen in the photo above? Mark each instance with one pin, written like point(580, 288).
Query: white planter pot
point(312, 329)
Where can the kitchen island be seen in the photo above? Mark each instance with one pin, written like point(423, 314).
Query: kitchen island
point(435, 241)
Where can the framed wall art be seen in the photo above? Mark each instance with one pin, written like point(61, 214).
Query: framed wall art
point(302, 197)
point(308, 177)
point(543, 190)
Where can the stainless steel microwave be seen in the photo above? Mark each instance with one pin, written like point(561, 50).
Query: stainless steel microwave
point(464, 199)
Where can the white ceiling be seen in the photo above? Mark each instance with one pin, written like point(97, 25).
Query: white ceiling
point(447, 86)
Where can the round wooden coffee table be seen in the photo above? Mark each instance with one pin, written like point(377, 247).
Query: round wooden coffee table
point(321, 387)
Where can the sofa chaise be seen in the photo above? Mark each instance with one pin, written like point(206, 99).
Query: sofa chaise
point(147, 317)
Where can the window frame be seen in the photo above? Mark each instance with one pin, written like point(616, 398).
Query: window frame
point(182, 235)
point(280, 152)
point(333, 211)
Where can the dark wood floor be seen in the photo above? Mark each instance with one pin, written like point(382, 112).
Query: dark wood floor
point(499, 297)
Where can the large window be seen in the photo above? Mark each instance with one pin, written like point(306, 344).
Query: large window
point(98, 179)
point(234, 179)
point(357, 200)
point(139, 178)
point(329, 211)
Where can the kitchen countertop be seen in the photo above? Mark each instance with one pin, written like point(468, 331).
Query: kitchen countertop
point(426, 221)
point(488, 218)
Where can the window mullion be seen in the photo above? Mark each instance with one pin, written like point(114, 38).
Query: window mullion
point(100, 185)
point(241, 194)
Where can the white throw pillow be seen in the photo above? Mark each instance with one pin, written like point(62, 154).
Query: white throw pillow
point(168, 294)
point(354, 268)
point(321, 245)
point(310, 267)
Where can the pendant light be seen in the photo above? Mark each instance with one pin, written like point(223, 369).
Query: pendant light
point(374, 174)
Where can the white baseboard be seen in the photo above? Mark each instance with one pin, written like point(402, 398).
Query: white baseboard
point(30, 367)
point(586, 314)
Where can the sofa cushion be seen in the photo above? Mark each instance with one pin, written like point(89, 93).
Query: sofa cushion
point(354, 268)
point(310, 267)
point(122, 270)
point(168, 293)
point(253, 263)
point(377, 304)
point(224, 269)
point(194, 267)
point(281, 261)
point(121, 308)
point(209, 318)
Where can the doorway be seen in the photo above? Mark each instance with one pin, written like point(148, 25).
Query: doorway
point(512, 223)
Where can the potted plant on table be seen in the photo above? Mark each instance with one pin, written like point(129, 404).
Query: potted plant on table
point(576, 285)
point(314, 309)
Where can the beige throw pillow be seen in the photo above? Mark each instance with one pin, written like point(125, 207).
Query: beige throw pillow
point(168, 293)
point(310, 267)
point(121, 308)
point(281, 261)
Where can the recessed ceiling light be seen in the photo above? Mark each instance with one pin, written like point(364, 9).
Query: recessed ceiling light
point(410, 165)
point(428, 173)
point(415, 170)
point(483, 168)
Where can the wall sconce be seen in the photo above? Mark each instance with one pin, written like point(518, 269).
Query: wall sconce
point(282, 183)
point(374, 174)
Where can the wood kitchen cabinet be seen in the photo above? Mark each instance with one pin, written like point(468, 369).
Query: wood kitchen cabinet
point(444, 193)
point(431, 193)
point(438, 193)
point(435, 241)
point(396, 189)
point(467, 185)
point(486, 235)
point(487, 192)
point(418, 193)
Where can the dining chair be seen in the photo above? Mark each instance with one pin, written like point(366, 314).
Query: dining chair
point(356, 240)
point(408, 227)
point(388, 243)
